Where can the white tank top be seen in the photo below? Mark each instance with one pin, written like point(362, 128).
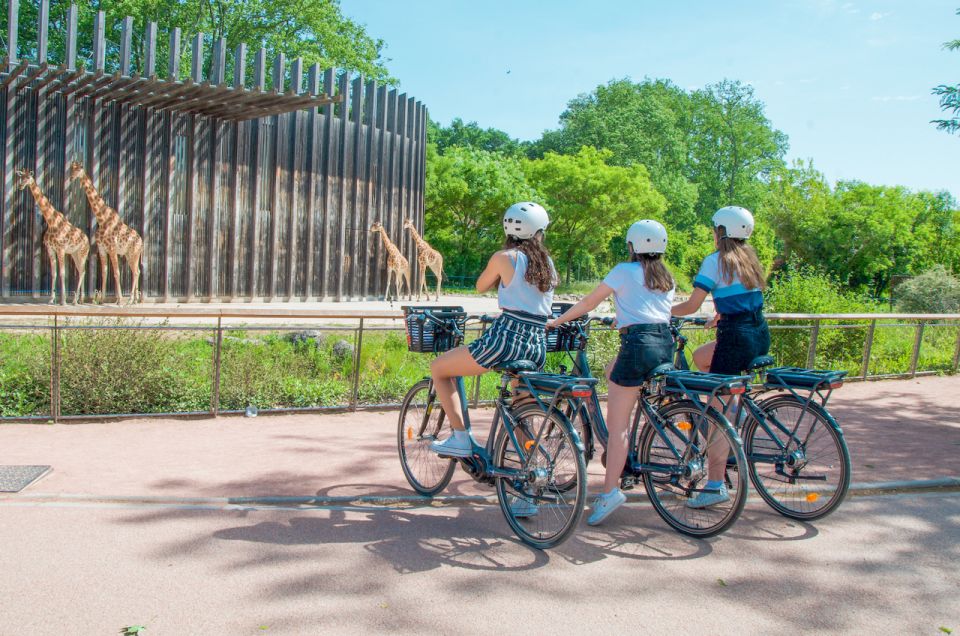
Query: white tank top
point(520, 295)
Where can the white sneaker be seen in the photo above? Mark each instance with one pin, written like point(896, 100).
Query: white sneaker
point(523, 508)
point(604, 504)
point(453, 446)
point(706, 499)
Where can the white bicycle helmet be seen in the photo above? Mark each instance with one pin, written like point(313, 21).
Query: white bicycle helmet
point(647, 237)
point(737, 221)
point(523, 220)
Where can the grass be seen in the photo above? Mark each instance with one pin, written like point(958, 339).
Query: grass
point(136, 369)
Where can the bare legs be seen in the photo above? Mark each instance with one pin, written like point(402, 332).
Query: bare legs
point(453, 364)
point(620, 403)
point(719, 450)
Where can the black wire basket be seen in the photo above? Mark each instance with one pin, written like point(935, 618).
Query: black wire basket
point(566, 337)
point(426, 336)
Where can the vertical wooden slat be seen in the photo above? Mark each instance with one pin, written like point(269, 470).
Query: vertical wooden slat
point(358, 257)
point(213, 213)
point(329, 78)
point(126, 35)
point(196, 63)
point(173, 69)
point(279, 70)
point(13, 27)
point(150, 51)
point(396, 218)
point(409, 161)
point(193, 167)
point(9, 193)
point(369, 175)
point(313, 88)
point(71, 41)
point(146, 143)
point(295, 155)
point(43, 29)
point(342, 265)
point(171, 149)
point(259, 80)
point(382, 164)
point(99, 41)
point(36, 108)
point(239, 71)
point(218, 65)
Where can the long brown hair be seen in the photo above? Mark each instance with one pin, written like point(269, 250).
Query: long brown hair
point(540, 272)
point(656, 275)
point(737, 258)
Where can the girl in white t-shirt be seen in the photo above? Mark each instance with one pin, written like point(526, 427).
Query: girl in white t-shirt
point(642, 295)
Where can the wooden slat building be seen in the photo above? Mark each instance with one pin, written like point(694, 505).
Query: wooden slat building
point(240, 192)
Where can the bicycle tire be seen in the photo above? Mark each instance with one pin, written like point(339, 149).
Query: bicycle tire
point(426, 472)
point(552, 503)
point(830, 458)
point(669, 494)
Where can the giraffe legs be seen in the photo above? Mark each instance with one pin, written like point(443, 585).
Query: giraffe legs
point(80, 261)
point(438, 272)
point(62, 260)
point(386, 291)
point(422, 283)
point(406, 278)
point(53, 275)
point(133, 260)
point(115, 265)
point(104, 273)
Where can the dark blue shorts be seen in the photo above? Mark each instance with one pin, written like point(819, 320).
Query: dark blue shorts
point(740, 339)
point(642, 349)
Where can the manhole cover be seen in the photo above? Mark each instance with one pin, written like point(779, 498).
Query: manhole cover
point(16, 478)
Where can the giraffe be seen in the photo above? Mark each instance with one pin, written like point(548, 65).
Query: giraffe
point(60, 239)
point(397, 265)
point(113, 238)
point(426, 257)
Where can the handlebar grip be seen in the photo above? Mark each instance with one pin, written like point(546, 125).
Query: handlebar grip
point(606, 321)
point(699, 321)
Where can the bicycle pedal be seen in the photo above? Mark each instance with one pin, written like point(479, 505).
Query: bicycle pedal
point(627, 483)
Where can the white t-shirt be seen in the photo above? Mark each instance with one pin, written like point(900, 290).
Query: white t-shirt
point(634, 302)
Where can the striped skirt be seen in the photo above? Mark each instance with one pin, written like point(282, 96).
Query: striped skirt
point(515, 335)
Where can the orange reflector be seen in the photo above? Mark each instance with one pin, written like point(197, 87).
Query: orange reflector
point(409, 432)
point(528, 445)
point(812, 496)
point(684, 426)
point(582, 393)
point(836, 385)
point(737, 390)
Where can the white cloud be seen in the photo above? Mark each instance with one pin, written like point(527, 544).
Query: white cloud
point(850, 8)
point(876, 15)
point(895, 98)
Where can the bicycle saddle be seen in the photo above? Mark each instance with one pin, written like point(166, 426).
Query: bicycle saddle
point(760, 362)
point(659, 370)
point(515, 366)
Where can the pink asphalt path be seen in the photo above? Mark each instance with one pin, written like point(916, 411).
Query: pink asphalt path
point(896, 430)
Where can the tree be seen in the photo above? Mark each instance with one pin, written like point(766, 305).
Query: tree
point(733, 147)
point(471, 136)
point(949, 97)
point(315, 30)
point(645, 123)
point(590, 201)
point(466, 192)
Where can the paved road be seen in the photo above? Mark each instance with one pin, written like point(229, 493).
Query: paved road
point(882, 565)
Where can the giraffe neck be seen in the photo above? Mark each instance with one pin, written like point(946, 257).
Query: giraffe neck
point(421, 244)
point(387, 243)
point(97, 204)
point(49, 214)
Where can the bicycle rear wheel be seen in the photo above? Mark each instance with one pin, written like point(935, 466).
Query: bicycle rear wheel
point(544, 503)
point(675, 468)
point(421, 422)
point(804, 476)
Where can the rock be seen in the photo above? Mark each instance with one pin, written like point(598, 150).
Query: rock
point(342, 349)
point(304, 336)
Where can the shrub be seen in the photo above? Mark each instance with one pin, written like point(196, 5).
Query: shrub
point(935, 291)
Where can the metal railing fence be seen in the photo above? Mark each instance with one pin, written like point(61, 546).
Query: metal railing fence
point(326, 375)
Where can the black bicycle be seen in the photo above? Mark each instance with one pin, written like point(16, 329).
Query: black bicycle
point(796, 453)
point(673, 431)
point(532, 456)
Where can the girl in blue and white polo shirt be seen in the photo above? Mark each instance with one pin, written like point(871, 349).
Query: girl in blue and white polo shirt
point(734, 276)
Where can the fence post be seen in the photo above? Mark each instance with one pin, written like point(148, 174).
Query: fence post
point(865, 368)
point(356, 367)
point(217, 349)
point(916, 350)
point(812, 352)
point(55, 370)
point(956, 352)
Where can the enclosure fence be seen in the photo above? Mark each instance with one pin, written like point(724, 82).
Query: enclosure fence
point(83, 362)
point(239, 190)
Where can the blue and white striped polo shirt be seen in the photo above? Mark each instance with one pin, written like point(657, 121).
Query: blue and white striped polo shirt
point(728, 297)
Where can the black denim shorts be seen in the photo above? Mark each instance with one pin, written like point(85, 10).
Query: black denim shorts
point(642, 349)
point(740, 339)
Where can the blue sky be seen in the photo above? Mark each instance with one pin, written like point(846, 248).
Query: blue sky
point(848, 81)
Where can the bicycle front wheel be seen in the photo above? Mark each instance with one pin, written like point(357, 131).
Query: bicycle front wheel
point(799, 462)
point(675, 465)
point(544, 502)
point(421, 421)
